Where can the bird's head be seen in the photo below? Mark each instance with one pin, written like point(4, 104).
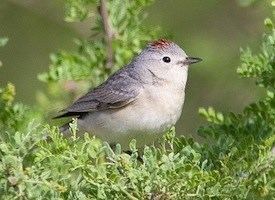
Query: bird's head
point(166, 60)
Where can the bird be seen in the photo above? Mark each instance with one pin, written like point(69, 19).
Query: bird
point(140, 101)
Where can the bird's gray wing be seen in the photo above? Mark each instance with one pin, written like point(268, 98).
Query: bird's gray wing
point(118, 91)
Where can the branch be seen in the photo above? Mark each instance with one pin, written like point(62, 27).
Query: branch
point(109, 33)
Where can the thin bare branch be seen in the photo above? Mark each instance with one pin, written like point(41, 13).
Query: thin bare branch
point(109, 33)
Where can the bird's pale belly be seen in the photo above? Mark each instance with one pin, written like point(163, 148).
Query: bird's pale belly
point(144, 120)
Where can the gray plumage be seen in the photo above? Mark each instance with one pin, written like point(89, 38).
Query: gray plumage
point(118, 91)
point(140, 101)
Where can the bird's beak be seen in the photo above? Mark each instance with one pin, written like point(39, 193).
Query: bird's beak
point(192, 60)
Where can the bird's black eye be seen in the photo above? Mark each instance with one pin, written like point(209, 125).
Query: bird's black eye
point(166, 59)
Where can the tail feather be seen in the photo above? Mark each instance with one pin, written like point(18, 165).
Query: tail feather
point(68, 114)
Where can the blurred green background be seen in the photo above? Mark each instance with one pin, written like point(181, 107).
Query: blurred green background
point(212, 29)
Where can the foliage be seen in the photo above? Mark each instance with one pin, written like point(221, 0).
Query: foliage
point(89, 62)
point(236, 162)
point(11, 115)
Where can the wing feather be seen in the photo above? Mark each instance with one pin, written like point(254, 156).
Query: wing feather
point(118, 91)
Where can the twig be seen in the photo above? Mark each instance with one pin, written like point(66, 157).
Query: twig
point(109, 34)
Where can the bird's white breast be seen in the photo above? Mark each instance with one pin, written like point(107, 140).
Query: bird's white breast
point(163, 105)
point(155, 110)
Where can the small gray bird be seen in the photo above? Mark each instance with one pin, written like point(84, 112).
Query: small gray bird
point(140, 101)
